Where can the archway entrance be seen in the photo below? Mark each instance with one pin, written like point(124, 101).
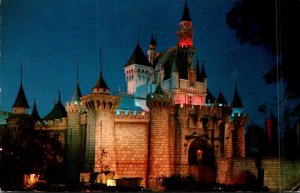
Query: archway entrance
point(201, 161)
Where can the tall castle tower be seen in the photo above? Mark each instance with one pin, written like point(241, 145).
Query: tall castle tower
point(100, 107)
point(75, 137)
point(159, 136)
point(138, 72)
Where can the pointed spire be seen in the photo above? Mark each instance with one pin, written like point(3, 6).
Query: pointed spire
point(203, 73)
point(100, 85)
point(59, 97)
point(21, 100)
point(221, 98)
point(153, 41)
point(77, 92)
point(186, 13)
point(138, 57)
point(209, 97)
point(58, 110)
point(198, 76)
point(35, 114)
point(236, 102)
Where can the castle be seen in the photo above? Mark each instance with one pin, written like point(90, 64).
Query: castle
point(167, 123)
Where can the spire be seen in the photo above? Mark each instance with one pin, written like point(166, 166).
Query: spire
point(221, 98)
point(138, 57)
point(186, 13)
point(58, 110)
point(236, 102)
point(77, 92)
point(203, 73)
point(21, 100)
point(209, 97)
point(35, 114)
point(101, 86)
point(198, 76)
point(153, 41)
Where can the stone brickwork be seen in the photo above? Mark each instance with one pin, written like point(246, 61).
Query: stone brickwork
point(159, 138)
point(132, 149)
point(289, 171)
point(74, 141)
point(181, 162)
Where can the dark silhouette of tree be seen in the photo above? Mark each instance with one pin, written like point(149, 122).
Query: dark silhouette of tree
point(273, 24)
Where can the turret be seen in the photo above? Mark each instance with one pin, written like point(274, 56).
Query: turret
point(100, 107)
point(239, 120)
point(75, 137)
point(159, 130)
point(21, 105)
point(186, 31)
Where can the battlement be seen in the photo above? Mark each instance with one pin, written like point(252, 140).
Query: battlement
point(56, 124)
point(74, 107)
point(131, 116)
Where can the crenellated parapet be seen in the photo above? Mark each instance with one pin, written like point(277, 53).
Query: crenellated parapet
point(132, 116)
point(99, 101)
point(158, 100)
point(74, 107)
point(56, 124)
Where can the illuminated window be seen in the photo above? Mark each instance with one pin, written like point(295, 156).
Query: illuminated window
point(199, 155)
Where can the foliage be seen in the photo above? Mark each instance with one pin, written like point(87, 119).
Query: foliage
point(272, 24)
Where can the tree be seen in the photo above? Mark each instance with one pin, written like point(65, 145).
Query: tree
point(273, 23)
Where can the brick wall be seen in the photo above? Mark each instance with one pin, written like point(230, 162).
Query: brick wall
point(227, 169)
point(131, 149)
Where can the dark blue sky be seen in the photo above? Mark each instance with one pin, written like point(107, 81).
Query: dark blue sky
point(47, 36)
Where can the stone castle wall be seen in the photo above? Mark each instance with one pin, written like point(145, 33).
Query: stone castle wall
point(228, 169)
point(131, 149)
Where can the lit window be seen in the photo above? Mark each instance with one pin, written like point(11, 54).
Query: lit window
point(199, 155)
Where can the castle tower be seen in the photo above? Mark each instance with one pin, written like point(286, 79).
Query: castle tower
point(159, 136)
point(239, 120)
point(75, 137)
point(138, 71)
point(100, 132)
point(186, 31)
point(185, 43)
point(21, 105)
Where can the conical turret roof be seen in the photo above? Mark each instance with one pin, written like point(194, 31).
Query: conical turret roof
point(186, 13)
point(203, 73)
point(138, 57)
point(221, 98)
point(77, 93)
point(35, 114)
point(236, 102)
point(101, 83)
point(153, 41)
point(209, 97)
point(21, 100)
point(57, 112)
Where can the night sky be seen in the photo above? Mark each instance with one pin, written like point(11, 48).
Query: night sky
point(46, 37)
